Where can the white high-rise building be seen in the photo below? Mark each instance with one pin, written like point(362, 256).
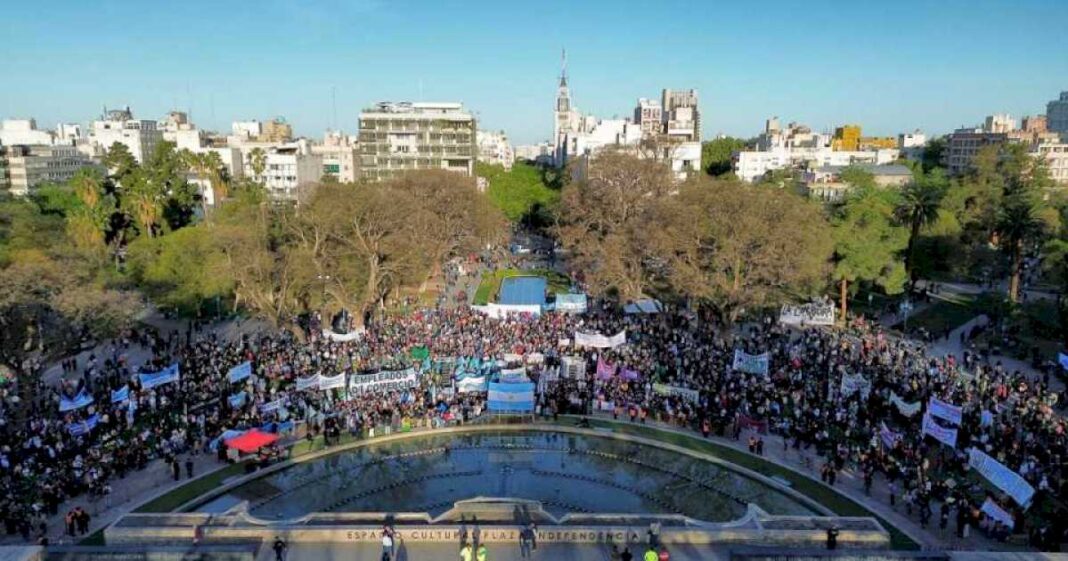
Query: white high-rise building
point(140, 136)
point(399, 137)
point(999, 123)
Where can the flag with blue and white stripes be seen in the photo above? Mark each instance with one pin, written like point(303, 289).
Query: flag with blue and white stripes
point(511, 398)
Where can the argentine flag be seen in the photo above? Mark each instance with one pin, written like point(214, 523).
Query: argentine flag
point(511, 398)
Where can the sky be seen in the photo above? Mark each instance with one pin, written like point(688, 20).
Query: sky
point(890, 66)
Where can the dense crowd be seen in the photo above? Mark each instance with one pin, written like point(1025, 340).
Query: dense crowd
point(44, 462)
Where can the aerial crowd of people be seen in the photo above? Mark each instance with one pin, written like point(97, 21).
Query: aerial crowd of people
point(675, 367)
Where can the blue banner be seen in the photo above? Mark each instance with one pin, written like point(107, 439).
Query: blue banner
point(511, 398)
point(84, 427)
point(165, 376)
point(120, 395)
point(238, 399)
point(240, 372)
point(81, 400)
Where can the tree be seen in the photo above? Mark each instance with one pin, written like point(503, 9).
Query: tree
point(258, 159)
point(731, 248)
point(119, 161)
point(142, 199)
point(920, 202)
point(1025, 217)
point(717, 154)
point(867, 243)
point(181, 270)
point(931, 158)
point(604, 221)
point(88, 222)
point(208, 167)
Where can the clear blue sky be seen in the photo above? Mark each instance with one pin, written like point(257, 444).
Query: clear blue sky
point(891, 66)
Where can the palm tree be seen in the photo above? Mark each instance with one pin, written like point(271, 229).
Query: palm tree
point(142, 200)
point(920, 203)
point(258, 161)
point(1019, 222)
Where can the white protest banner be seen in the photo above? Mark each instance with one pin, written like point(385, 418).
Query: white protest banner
point(991, 509)
point(573, 367)
point(752, 364)
point(1001, 477)
point(512, 358)
point(939, 433)
point(271, 406)
point(855, 383)
point(608, 406)
point(385, 380)
point(906, 409)
point(343, 337)
point(535, 358)
point(598, 341)
point(330, 382)
point(309, 383)
point(945, 411)
point(685, 393)
point(807, 314)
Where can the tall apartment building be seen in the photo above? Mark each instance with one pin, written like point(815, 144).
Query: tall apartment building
point(26, 167)
point(140, 136)
point(1000, 123)
point(963, 144)
point(682, 118)
point(1057, 115)
point(648, 115)
point(846, 138)
point(399, 137)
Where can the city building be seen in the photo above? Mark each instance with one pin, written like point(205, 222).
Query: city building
point(649, 116)
point(963, 144)
point(140, 136)
point(247, 130)
point(23, 131)
point(1057, 115)
point(494, 149)
point(798, 147)
point(1056, 156)
point(999, 123)
point(540, 153)
point(668, 131)
point(825, 182)
point(846, 138)
point(289, 173)
point(339, 154)
point(277, 130)
point(912, 145)
point(681, 116)
point(399, 137)
point(1034, 124)
point(26, 167)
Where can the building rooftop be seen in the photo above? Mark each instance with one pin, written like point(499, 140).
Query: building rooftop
point(883, 170)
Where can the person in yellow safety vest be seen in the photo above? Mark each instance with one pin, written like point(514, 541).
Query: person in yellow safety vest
point(465, 553)
point(651, 555)
point(482, 553)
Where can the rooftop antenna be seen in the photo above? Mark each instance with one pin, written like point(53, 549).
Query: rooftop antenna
point(333, 102)
point(189, 99)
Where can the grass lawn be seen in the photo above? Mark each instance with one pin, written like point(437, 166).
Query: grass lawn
point(170, 501)
point(943, 314)
point(491, 282)
point(519, 191)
